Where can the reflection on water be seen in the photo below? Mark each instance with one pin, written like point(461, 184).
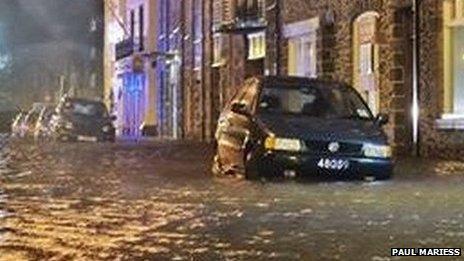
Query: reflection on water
point(158, 201)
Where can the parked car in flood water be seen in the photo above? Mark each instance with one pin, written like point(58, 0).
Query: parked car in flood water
point(79, 119)
point(289, 126)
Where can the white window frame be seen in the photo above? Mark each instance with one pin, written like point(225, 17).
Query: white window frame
point(302, 61)
point(256, 46)
point(219, 58)
point(453, 17)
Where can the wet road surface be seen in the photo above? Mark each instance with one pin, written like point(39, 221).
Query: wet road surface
point(158, 201)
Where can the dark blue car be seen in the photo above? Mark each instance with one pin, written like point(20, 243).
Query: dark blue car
point(289, 126)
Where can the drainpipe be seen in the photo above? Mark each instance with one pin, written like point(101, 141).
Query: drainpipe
point(416, 77)
point(181, 82)
point(278, 12)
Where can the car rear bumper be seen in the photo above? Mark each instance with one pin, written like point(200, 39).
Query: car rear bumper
point(280, 163)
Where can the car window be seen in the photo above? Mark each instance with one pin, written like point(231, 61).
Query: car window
point(314, 102)
point(90, 109)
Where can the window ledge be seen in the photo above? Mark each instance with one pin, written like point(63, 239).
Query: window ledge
point(451, 122)
point(219, 63)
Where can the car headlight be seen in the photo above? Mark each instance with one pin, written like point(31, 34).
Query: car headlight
point(69, 125)
point(284, 144)
point(377, 151)
point(106, 128)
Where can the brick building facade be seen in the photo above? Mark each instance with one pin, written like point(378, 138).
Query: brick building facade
point(185, 94)
point(207, 48)
point(369, 44)
point(441, 99)
point(322, 33)
point(386, 80)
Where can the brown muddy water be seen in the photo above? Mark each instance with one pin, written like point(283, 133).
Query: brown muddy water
point(158, 201)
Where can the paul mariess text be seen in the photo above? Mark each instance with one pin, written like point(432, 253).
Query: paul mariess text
point(426, 252)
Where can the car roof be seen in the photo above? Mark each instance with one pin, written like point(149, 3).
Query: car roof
point(293, 81)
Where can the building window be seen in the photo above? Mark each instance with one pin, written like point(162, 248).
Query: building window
point(302, 57)
point(302, 54)
point(141, 28)
point(198, 34)
point(453, 12)
point(93, 80)
point(219, 56)
point(132, 24)
point(256, 46)
point(137, 27)
point(249, 8)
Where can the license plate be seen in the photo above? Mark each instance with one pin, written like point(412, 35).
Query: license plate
point(86, 138)
point(333, 164)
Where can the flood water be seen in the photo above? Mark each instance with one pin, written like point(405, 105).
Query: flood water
point(158, 201)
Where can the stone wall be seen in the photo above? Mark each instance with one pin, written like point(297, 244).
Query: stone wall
point(193, 43)
point(434, 142)
point(334, 53)
point(335, 58)
point(204, 100)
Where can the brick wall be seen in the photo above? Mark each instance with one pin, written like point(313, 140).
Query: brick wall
point(434, 142)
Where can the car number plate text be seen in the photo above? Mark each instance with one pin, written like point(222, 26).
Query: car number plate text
point(333, 164)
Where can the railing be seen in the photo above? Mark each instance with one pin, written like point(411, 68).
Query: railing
point(239, 16)
point(249, 9)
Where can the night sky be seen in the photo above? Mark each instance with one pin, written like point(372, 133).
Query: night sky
point(39, 21)
point(40, 40)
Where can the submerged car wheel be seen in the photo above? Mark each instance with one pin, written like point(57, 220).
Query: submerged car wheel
point(251, 167)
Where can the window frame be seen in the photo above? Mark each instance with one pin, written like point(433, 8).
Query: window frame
point(256, 46)
point(451, 20)
point(299, 34)
point(450, 118)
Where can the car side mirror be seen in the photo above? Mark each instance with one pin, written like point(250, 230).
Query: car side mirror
point(113, 117)
point(382, 119)
point(240, 108)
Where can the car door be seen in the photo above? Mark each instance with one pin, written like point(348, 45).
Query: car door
point(235, 127)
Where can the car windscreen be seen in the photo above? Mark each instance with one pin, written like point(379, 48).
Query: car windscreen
point(89, 109)
point(314, 102)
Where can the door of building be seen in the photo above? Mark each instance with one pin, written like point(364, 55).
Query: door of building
point(366, 59)
point(133, 104)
